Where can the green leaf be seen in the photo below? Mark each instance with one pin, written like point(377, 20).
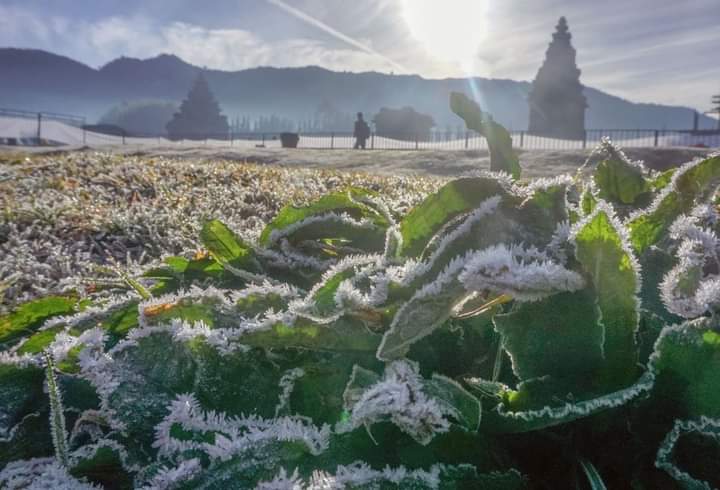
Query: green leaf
point(450, 393)
point(421, 315)
point(539, 403)
point(502, 156)
point(609, 263)
point(663, 180)
point(687, 363)
point(338, 202)
point(454, 402)
point(21, 393)
point(30, 316)
point(346, 334)
point(558, 337)
point(104, 467)
point(225, 246)
point(37, 342)
point(691, 183)
point(618, 180)
point(453, 199)
point(324, 298)
point(121, 321)
point(587, 201)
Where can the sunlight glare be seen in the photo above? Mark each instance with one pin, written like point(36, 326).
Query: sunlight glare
point(449, 30)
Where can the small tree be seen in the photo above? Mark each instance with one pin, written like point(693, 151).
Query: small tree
point(403, 124)
point(199, 116)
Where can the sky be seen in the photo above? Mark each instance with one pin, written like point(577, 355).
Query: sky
point(663, 51)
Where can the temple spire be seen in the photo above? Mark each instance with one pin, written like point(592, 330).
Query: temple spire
point(557, 103)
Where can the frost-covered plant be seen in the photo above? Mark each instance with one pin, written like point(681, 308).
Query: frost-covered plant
point(554, 334)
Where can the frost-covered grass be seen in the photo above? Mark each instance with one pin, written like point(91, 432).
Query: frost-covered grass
point(63, 215)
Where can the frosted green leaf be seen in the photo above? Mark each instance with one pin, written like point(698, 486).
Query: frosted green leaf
point(610, 264)
point(28, 317)
point(502, 156)
point(21, 393)
point(687, 363)
point(618, 180)
point(453, 199)
point(693, 182)
point(558, 337)
point(338, 203)
point(104, 467)
point(345, 334)
point(225, 246)
point(429, 308)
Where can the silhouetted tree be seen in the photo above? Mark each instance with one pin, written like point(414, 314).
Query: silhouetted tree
point(199, 116)
point(141, 117)
point(403, 124)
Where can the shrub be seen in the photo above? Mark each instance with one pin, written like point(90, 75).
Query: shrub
point(140, 117)
point(403, 124)
point(499, 335)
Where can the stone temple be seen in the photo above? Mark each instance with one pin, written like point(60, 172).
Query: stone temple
point(557, 103)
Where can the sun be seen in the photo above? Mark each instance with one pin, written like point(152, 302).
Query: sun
point(449, 30)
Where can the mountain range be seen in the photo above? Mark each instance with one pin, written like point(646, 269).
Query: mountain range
point(42, 81)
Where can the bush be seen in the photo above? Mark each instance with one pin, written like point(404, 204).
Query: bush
point(500, 335)
point(140, 117)
point(403, 124)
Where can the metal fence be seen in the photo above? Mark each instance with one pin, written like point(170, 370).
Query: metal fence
point(39, 119)
point(53, 128)
point(471, 140)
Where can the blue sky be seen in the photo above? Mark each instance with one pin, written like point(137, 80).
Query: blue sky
point(644, 50)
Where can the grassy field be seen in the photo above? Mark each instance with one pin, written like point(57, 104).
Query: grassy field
point(64, 214)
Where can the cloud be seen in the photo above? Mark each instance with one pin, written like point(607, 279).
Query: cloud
point(643, 50)
point(227, 49)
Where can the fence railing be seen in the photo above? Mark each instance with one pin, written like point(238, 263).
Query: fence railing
point(41, 131)
point(38, 119)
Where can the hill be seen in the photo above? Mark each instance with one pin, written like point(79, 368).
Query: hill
point(38, 80)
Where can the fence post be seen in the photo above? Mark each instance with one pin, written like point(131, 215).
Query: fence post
point(467, 138)
point(522, 138)
point(332, 140)
point(263, 139)
point(123, 137)
point(416, 141)
point(39, 124)
point(657, 133)
point(584, 138)
point(372, 141)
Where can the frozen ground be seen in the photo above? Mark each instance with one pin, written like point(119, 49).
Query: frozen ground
point(445, 163)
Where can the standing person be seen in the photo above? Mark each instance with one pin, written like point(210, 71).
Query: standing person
point(361, 133)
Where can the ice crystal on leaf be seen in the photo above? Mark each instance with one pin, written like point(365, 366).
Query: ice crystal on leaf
point(524, 274)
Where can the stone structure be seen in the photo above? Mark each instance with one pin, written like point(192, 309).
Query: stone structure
point(557, 103)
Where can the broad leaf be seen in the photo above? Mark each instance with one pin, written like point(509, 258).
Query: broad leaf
point(609, 263)
point(453, 199)
point(225, 246)
point(30, 316)
point(691, 183)
point(502, 156)
point(618, 180)
point(558, 337)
